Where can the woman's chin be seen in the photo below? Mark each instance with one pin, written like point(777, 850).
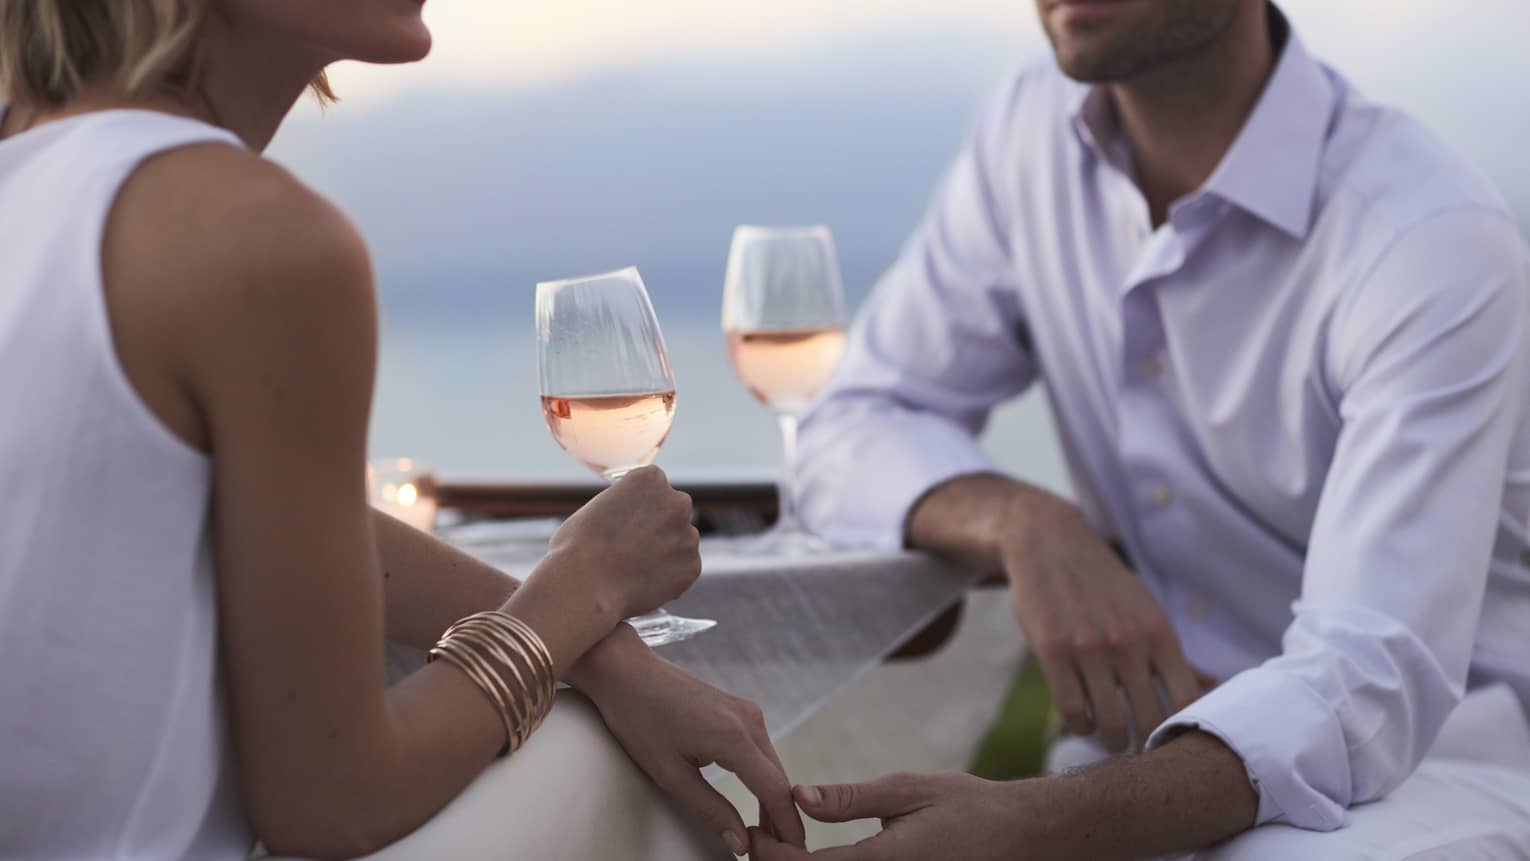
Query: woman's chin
point(408, 47)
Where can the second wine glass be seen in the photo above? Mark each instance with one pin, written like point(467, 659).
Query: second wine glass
point(608, 392)
point(784, 318)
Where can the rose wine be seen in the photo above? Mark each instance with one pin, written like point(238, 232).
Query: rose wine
point(786, 370)
point(610, 434)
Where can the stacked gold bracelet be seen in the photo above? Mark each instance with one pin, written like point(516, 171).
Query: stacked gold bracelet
point(509, 662)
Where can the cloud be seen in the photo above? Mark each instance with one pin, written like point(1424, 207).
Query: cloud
point(491, 44)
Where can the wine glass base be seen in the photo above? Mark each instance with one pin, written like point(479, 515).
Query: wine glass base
point(660, 628)
point(785, 542)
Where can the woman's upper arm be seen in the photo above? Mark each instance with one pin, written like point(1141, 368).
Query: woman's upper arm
point(276, 342)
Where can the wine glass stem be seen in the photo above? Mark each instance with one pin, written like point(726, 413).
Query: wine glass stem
point(787, 520)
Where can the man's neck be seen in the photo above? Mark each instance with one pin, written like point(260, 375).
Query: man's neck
point(1182, 117)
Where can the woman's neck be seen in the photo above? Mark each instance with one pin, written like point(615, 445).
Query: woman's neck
point(247, 86)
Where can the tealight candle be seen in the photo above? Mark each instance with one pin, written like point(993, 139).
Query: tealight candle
point(405, 489)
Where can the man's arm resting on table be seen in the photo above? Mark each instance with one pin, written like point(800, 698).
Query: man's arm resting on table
point(1093, 624)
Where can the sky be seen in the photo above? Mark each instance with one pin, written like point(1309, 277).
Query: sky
point(1461, 67)
point(523, 108)
point(529, 43)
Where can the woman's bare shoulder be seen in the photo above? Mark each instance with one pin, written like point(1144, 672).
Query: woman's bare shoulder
point(221, 221)
point(216, 260)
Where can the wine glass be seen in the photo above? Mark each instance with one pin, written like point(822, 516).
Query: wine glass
point(608, 392)
point(784, 318)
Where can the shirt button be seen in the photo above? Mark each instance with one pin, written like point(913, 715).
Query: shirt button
point(1150, 367)
point(1161, 495)
point(1199, 608)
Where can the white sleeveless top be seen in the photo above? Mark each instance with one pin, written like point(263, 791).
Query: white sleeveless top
point(113, 738)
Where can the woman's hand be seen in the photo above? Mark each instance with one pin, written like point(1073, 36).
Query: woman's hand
point(673, 725)
point(633, 544)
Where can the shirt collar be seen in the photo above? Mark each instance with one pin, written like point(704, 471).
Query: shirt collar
point(1271, 170)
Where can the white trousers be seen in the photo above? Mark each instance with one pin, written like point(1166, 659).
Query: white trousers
point(1468, 801)
point(570, 793)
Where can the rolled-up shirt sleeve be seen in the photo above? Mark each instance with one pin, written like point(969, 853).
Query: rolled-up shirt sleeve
point(1428, 363)
point(941, 340)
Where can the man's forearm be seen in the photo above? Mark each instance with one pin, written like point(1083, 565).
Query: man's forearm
point(428, 585)
point(965, 518)
point(1186, 795)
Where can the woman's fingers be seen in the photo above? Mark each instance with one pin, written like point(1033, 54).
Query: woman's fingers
point(792, 831)
point(763, 776)
point(686, 783)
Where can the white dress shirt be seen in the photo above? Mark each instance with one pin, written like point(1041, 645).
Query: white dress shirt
point(1302, 404)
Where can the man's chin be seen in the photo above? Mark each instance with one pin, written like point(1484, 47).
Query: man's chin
point(1094, 66)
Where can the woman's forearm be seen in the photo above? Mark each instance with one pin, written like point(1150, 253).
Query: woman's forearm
point(429, 584)
point(438, 728)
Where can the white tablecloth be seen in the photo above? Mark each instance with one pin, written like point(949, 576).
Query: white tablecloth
point(792, 631)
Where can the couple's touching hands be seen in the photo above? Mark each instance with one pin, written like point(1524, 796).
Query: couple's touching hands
point(1116, 671)
point(1191, 792)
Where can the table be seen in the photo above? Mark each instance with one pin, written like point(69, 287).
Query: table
point(791, 632)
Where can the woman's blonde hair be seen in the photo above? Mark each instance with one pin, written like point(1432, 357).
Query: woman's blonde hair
point(49, 49)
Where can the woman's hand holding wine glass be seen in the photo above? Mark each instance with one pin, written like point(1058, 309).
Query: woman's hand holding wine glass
point(636, 540)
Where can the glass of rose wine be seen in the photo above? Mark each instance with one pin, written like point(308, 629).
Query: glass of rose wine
point(608, 392)
point(784, 318)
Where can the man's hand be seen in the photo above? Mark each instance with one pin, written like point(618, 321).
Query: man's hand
point(1100, 637)
point(925, 817)
point(1188, 794)
point(1095, 628)
point(673, 725)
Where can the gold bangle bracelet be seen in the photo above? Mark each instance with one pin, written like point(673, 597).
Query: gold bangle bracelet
point(491, 649)
point(481, 676)
point(515, 695)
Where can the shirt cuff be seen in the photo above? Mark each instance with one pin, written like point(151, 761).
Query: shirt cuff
point(859, 481)
point(1289, 738)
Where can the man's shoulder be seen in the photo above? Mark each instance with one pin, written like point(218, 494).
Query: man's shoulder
point(1410, 225)
point(1389, 176)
